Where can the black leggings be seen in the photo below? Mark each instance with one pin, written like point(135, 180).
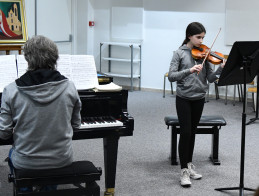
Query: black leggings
point(189, 113)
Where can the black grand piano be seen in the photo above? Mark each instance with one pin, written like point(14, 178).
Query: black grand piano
point(104, 115)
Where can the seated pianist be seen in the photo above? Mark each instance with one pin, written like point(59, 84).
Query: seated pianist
point(40, 110)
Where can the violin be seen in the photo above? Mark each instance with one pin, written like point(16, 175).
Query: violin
point(213, 57)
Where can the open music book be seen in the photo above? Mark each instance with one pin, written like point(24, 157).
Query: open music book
point(80, 69)
point(107, 87)
point(8, 71)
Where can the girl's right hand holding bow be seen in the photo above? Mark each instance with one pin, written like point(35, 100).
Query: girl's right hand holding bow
point(196, 68)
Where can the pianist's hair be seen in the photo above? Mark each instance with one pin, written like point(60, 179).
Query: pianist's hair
point(40, 53)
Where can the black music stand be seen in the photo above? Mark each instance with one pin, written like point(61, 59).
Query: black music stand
point(241, 67)
point(256, 107)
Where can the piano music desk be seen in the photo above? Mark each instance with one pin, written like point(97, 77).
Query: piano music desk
point(207, 125)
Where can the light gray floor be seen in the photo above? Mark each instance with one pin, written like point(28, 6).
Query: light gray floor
point(143, 167)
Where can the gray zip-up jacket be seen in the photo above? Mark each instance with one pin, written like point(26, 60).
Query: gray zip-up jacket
point(41, 118)
point(191, 86)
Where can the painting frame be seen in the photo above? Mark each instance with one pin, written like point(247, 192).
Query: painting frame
point(13, 26)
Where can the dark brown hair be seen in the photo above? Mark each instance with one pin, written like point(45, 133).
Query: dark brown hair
point(193, 28)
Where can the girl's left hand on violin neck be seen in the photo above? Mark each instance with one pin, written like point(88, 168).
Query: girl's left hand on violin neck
point(223, 63)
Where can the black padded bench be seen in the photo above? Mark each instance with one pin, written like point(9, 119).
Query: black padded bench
point(76, 173)
point(207, 125)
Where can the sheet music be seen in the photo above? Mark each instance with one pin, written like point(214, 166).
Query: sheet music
point(22, 65)
point(84, 73)
point(64, 65)
point(8, 72)
point(80, 69)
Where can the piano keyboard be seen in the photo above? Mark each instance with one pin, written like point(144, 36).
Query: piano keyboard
point(97, 122)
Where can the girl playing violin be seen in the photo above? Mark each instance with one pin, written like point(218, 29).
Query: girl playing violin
point(191, 76)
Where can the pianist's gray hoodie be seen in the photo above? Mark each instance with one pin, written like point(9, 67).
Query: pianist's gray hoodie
point(40, 110)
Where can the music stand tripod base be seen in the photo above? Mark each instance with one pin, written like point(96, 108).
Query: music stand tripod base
point(235, 188)
point(252, 120)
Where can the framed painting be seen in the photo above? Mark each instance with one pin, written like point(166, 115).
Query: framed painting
point(13, 27)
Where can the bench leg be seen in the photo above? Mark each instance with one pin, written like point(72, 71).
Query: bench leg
point(215, 147)
point(174, 146)
point(95, 189)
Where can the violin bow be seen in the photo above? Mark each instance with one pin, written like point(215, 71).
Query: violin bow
point(209, 49)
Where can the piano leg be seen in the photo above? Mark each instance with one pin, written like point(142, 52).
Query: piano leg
point(110, 145)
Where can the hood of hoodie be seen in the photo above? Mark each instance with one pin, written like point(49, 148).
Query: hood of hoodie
point(43, 85)
point(184, 47)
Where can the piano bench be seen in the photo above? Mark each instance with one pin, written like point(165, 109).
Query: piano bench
point(207, 125)
point(76, 173)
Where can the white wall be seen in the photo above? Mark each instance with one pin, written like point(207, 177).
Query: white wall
point(164, 26)
point(81, 26)
point(30, 16)
point(65, 47)
point(165, 31)
point(245, 13)
point(102, 26)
